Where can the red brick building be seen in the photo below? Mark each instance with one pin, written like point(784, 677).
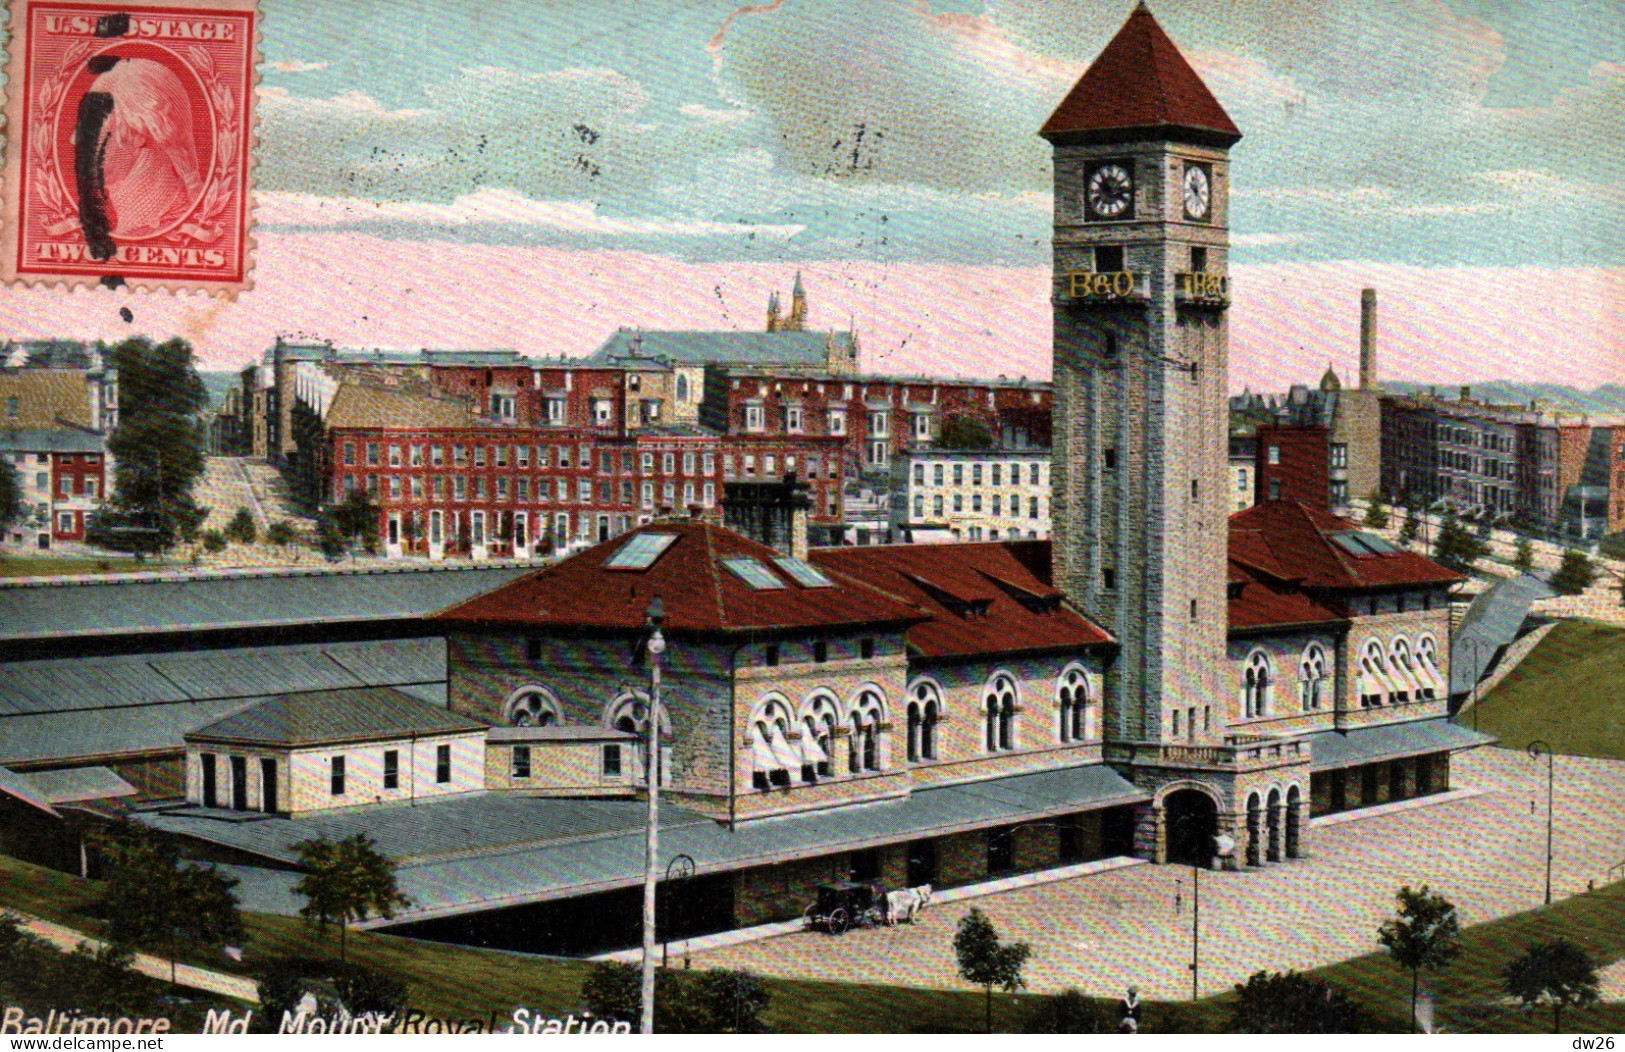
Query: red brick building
point(448, 481)
point(1293, 464)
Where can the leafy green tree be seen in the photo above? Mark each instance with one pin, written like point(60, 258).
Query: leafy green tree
point(157, 448)
point(11, 495)
point(38, 978)
point(1523, 556)
point(355, 519)
point(986, 962)
point(1376, 511)
point(214, 541)
point(1294, 1004)
point(1069, 1012)
point(241, 527)
point(735, 1001)
point(280, 533)
point(1557, 973)
point(1456, 548)
point(153, 900)
point(1425, 934)
point(964, 432)
point(1574, 575)
point(346, 880)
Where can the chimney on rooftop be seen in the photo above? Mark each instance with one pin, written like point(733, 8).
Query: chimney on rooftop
point(1368, 340)
point(1466, 393)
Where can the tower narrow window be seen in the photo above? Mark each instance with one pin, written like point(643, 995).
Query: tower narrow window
point(1198, 259)
point(1108, 259)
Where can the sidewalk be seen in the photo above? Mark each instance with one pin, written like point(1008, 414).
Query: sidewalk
point(740, 936)
point(66, 939)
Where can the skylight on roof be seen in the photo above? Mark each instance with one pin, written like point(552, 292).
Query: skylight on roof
point(753, 572)
point(1362, 544)
point(640, 552)
point(802, 572)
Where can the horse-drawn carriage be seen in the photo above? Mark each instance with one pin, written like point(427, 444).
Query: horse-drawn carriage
point(844, 904)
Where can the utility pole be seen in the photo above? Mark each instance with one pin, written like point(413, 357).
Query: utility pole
point(1536, 749)
point(655, 647)
point(1196, 930)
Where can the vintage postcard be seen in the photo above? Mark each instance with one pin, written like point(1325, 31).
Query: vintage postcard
point(812, 516)
point(128, 153)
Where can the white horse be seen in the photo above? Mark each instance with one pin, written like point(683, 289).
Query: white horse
point(904, 905)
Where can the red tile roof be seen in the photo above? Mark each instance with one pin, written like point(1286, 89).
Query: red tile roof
point(1140, 81)
point(699, 594)
point(1010, 608)
point(1265, 602)
point(1290, 541)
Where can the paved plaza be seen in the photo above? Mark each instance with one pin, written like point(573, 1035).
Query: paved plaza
point(1102, 932)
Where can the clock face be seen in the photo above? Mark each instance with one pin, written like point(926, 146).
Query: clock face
point(1110, 191)
point(1198, 192)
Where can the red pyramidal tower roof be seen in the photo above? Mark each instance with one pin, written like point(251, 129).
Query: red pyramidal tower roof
point(1140, 83)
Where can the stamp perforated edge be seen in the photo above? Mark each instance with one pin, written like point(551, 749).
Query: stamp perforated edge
point(16, 50)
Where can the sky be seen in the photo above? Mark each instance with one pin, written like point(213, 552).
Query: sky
point(534, 173)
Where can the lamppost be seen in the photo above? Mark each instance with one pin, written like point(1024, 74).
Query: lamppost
point(681, 867)
point(1536, 748)
point(1472, 643)
point(655, 647)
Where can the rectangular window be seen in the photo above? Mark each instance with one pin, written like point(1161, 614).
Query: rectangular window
point(65, 485)
point(479, 456)
point(688, 463)
point(392, 769)
point(612, 761)
point(372, 452)
point(792, 419)
point(1108, 579)
point(754, 418)
point(459, 455)
point(394, 456)
point(479, 487)
point(394, 487)
point(349, 452)
point(522, 488)
point(437, 455)
point(211, 784)
point(522, 456)
point(668, 464)
point(866, 647)
point(336, 775)
point(502, 456)
point(1108, 259)
point(502, 488)
point(1273, 453)
point(442, 764)
point(708, 464)
point(709, 494)
point(1198, 259)
point(521, 761)
point(584, 490)
point(837, 421)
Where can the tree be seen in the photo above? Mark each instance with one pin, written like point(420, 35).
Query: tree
point(613, 991)
point(279, 533)
point(1426, 934)
point(1574, 575)
point(1294, 1004)
point(346, 880)
point(214, 541)
point(36, 976)
point(986, 962)
point(1523, 556)
point(241, 527)
point(1376, 512)
point(151, 899)
point(353, 519)
point(735, 1001)
point(1557, 973)
point(1455, 548)
point(964, 432)
point(157, 448)
point(1411, 529)
point(1069, 1012)
point(11, 495)
point(711, 1002)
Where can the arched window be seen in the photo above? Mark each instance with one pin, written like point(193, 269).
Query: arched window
point(1075, 708)
point(1427, 665)
point(926, 699)
point(682, 387)
point(1374, 683)
point(1000, 707)
point(532, 707)
point(1257, 684)
point(1312, 677)
point(867, 714)
point(629, 713)
point(1402, 669)
point(772, 756)
point(820, 715)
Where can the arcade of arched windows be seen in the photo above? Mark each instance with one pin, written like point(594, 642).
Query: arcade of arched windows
point(1001, 706)
point(789, 745)
point(1274, 823)
point(1398, 672)
point(1077, 710)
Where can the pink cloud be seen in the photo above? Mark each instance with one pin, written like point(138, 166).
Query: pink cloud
point(1287, 321)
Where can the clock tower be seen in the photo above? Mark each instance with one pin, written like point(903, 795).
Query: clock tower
point(1140, 508)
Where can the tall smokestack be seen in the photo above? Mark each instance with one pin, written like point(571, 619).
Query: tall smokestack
point(1368, 340)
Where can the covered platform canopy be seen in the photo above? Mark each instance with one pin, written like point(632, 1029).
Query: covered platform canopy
point(1390, 741)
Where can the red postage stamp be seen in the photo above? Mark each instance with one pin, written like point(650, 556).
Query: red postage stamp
point(128, 149)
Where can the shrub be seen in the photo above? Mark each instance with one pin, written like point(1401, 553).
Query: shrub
point(241, 527)
point(1069, 1012)
point(214, 541)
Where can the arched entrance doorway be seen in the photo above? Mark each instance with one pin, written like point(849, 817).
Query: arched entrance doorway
point(1192, 821)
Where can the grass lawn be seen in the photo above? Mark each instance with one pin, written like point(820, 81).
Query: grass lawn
point(1570, 691)
point(465, 983)
point(47, 566)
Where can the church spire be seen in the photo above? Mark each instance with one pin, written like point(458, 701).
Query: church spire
point(774, 322)
point(797, 321)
